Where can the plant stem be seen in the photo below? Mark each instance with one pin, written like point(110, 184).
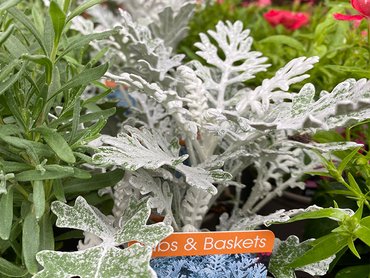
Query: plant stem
point(296, 5)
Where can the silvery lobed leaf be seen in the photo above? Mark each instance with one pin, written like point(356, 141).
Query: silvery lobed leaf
point(160, 192)
point(283, 216)
point(147, 11)
point(225, 73)
point(236, 45)
point(194, 206)
point(151, 89)
point(325, 147)
point(172, 26)
point(147, 55)
point(105, 260)
point(348, 103)
point(149, 150)
point(275, 90)
point(97, 262)
point(287, 251)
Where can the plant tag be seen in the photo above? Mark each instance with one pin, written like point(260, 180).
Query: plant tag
point(214, 254)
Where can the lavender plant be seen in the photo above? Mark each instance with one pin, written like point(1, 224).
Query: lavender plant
point(45, 128)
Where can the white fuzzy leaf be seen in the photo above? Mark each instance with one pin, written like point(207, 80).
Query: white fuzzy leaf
point(143, 149)
point(348, 103)
point(274, 90)
point(236, 45)
point(194, 207)
point(161, 196)
point(106, 259)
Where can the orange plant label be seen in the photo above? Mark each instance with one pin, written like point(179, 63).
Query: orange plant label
point(210, 243)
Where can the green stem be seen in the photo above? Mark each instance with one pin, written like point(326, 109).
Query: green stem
point(348, 134)
point(296, 5)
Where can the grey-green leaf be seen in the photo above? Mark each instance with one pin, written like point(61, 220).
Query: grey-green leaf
point(58, 18)
point(30, 241)
point(81, 8)
point(38, 197)
point(6, 214)
point(57, 143)
point(11, 270)
point(51, 172)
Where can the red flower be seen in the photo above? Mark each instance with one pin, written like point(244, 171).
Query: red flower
point(362, 6)
point(288, 19)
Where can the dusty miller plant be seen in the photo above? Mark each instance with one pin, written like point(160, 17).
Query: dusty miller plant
point(193, 128)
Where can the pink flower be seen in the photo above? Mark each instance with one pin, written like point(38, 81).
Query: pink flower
point(362, 6)
point(290, 20)
point(259, 3)
point(264, 3)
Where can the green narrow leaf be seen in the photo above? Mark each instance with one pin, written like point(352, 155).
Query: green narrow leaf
point(354, 271)
point(6, 214)
point(352, 247)
point(55, 83)
point(354, 185)
point(332, 213)
point(365, 222)
point(48, 34)
point(8, 4)
point(35, 147)
point(363, 233)
point(46, 233)
point(9, 129)
point(97, 115)
point(327, 246)
point(285, 40)
point(346, 160)
point(57, 143)
point(10, 81)
point(97, 181)
point(58, 191)
point(98, 97)
point(30, 242)
point(81, 41)
point(81, 174)
point(75, 120)
point(37, 109)
point(41, 60)
point(11, 270)
point(90, 133)
point(15, 47)
point(51, 172)
point(12, 166)
point(20, 17)
point(81, 8)
point(66, 5)
point(58, 18)
point(38, 19)
point(9, 69)
point(38, 196)
point(5, 35)
point(84, 78)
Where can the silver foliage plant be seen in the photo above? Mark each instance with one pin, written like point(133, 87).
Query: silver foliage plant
point(194, 127)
